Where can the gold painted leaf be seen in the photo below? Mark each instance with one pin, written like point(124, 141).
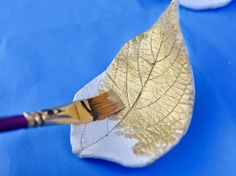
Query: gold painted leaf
point(153, 77)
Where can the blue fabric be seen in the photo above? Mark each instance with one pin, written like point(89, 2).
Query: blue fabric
point(50, 48)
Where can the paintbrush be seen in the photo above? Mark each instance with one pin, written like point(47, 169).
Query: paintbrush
point(82, 111)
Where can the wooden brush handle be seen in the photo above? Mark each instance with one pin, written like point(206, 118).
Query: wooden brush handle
point(13, 123)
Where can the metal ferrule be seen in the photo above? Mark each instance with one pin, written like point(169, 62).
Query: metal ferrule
point(74, 113)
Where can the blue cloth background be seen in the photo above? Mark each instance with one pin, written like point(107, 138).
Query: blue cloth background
point(50, 48)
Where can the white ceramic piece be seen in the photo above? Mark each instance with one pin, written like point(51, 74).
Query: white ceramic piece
point(204, 4)
point(157, 90)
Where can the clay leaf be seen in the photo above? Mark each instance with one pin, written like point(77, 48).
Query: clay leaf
point(153, 77)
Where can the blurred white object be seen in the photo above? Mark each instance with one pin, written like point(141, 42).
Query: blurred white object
point(203, 4)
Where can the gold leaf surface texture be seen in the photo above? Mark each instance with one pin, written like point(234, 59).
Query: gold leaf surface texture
point(153, 77)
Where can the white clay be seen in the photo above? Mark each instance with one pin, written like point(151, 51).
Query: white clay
point(104, 140)
point(203, 4)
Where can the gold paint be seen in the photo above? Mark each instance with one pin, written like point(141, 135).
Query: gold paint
point(153, 77)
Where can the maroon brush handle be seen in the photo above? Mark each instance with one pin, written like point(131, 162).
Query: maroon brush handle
point(13, 123)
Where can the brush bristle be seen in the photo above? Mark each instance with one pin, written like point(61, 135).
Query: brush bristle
point(105, 104)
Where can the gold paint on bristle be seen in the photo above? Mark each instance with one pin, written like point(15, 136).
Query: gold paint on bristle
point(105, 104)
